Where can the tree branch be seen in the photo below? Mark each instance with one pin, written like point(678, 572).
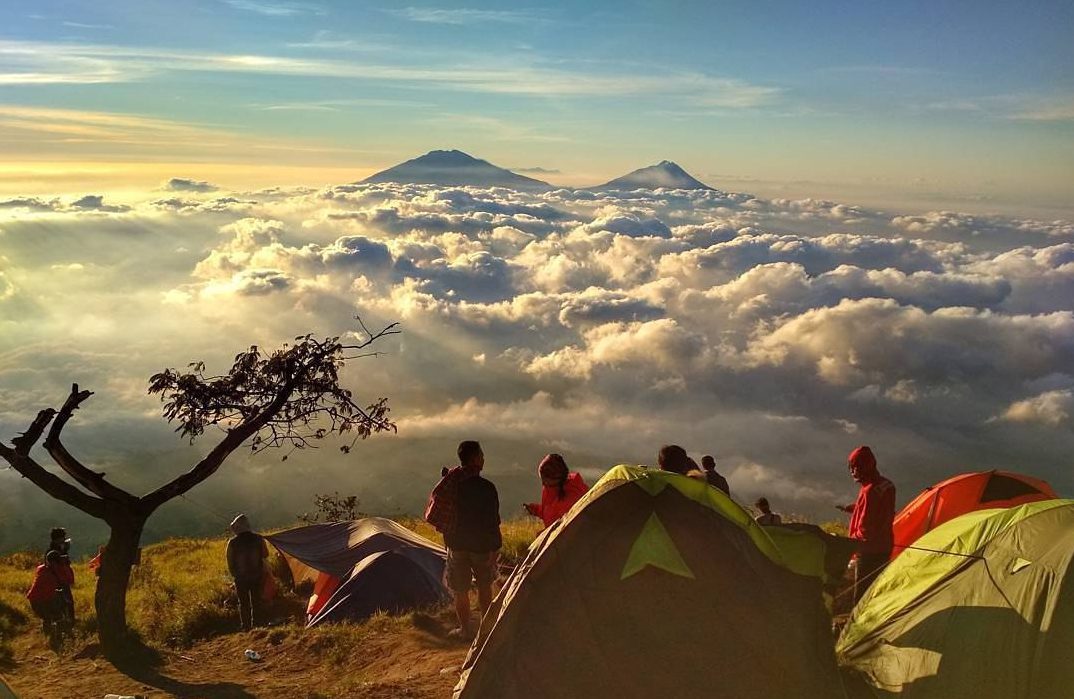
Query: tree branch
point(51, 484)
point(212, 461)
point(90, 480)
point(26, 441)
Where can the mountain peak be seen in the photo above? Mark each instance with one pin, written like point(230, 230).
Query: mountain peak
point(454, 168)
point(665, 174)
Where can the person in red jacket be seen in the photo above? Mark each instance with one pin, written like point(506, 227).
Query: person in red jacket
point(871, 518)
point(52, 580)
point(560, 489)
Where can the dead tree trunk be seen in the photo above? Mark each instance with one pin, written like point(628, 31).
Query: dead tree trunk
point(281, 394)
point(117, 561)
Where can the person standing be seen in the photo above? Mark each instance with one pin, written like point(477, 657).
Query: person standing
point(767, 517)
point(246, 554)
point(48, 594)
point(560, 489)
point(871, 518)
point(465, 508)
point(673, 458)
point(61, 544)
point(713, 477)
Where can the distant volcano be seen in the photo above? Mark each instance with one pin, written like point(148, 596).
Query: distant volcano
point(453, 168)
point(664, 174)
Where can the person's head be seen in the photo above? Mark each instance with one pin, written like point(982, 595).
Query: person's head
point(708, 463)
point(862, 465)
point(53, 558)
point(58, 540)
point(553, 470)
point(471, 456)
point(673, 458)
point(763, 506)
point(240, 525)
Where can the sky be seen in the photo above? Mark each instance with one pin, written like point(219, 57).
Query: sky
point(916, 104)
point(887, 257)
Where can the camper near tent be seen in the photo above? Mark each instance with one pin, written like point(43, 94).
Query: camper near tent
point(657, 585)
point(987, 611)
point(362, 567)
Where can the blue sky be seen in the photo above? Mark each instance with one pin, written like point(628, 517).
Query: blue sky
point(958, 102)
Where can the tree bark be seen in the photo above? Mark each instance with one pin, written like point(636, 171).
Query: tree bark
point(120, 555)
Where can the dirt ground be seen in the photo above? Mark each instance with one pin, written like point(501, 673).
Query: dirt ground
point(396, 663)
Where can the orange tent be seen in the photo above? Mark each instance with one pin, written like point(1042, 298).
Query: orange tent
point(964, 493)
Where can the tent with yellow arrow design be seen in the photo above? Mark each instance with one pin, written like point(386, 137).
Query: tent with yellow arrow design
point(657, 585)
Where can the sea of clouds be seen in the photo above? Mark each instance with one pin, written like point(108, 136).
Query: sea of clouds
point(774, 334)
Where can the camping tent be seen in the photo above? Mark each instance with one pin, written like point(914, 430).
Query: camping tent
point(656, 585)
point(363, 566)
point(964, 493)
point(991, 616)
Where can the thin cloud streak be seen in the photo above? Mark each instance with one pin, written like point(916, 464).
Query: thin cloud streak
point(276, 9)
point(461, 16)
point(104, 63)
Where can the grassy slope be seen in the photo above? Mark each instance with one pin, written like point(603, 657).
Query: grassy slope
point(181, 592)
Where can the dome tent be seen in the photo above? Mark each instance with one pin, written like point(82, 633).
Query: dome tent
point(966, 492)
point(656, 584)
point(380, 566)
point(991, 616)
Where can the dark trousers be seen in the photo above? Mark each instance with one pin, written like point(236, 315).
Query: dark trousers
point(249, 592)
point(870, 566)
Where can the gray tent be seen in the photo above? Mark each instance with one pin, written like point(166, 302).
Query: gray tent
point(380, 565)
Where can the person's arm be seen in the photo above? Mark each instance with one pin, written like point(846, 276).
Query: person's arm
point(494, 515)
point(231, 557)
point(534, 508)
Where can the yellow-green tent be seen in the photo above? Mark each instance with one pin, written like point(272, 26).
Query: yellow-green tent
point(657, 585)
point(5, 691)
point(988, 612)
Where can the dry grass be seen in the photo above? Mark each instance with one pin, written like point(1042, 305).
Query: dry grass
point(181, 592)
point(517, 534)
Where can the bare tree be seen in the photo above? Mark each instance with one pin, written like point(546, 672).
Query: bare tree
point(290, 398)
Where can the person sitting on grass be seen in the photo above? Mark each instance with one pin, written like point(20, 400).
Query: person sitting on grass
point(767, 517)
point(465, 508)
point(48, 596)
point(560, 489)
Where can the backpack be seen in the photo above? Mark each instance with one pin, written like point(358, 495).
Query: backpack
point(440, 508)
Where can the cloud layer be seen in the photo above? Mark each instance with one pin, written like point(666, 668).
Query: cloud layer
point(774, 334)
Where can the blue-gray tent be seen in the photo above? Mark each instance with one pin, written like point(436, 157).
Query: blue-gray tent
point(379, 564)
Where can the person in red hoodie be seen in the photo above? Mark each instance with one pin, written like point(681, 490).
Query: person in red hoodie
point(871, 518)
point(560, 489)
point(46, 594)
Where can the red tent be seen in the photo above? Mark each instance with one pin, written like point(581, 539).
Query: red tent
point(964, 493)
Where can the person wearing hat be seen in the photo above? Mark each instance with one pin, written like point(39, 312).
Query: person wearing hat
point(52, 579)
point(61, 544)
point(246, 554)
point(560, 489)
point(871, 518)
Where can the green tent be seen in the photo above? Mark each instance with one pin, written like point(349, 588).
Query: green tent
point(657, 585)
point(990, 616)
